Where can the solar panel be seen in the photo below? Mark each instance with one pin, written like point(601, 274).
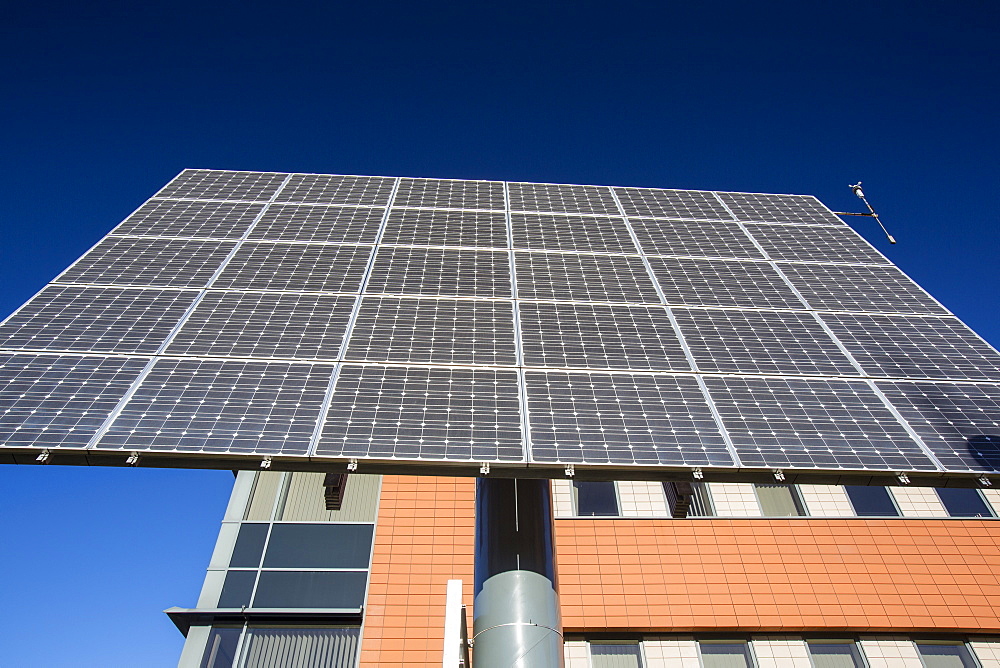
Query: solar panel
point(571, 233)
point(802, 209)
point(175, 218)
point(319, 224)
point(915, 346)
point(78, 318)
point(867, 289)
point(654, 203)
point(599, 336)
point(165, 263)
point(421, 227)
point(768, 342)
point(578, 277)
point(695, 282)
point(424, 413)
point(441, 331)
point(240, 315)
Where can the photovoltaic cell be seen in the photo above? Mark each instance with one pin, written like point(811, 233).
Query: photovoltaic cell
point(257, 324)
point(813, 423)
point(722, 283)
point(149, 262)
point(212, 184)
point(779, 208)
point(222, 406)
point(450, 194)
point(815, 244)
point(915, 346)
point(600, 337)
point(49, 401)
point(571, 233)
point(769, 342)
point(651, 202)
point(424, 413)
point(441, 331)
point(960, 423)
point(561, 198)
point(597, 418)
point(607, 278)
point(319, 224)
point(71, 317)
point(440, 271)
point(304, 267)
point(704, 239)
point(173, 218)
point(446, 228)
point(332, 189)
point(846, 288)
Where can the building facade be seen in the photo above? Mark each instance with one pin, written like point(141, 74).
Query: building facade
point(772, 576)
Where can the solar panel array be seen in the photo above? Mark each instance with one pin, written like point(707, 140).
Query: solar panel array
point(427, 321)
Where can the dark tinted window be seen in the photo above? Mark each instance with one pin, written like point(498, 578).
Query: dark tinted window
point(319, 546)
point(249, 546)
point(596, 499)
point(835, 655)
point(237, 589)
point(964, 502)
point(220, 651)
point(310, 589)
point(945, 655)
point(870, 501)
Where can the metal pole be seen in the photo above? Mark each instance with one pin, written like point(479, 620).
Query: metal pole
point(516, 609)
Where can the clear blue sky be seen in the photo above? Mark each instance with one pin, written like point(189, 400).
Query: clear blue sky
point(103, 102)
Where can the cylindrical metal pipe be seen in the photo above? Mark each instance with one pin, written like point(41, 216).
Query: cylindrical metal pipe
point(516, 608)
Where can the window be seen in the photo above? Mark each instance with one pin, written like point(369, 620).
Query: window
point(615, 655)
point(688, 499)
point(964, 502)
point(945, 654)
point(319, 546)
point(778, 500)
point(249, 546)
point(220, 650)
point(701, 501)
point(733, 654)
point(596, 499)
point(871, 501)
point(237, 589)
point(835, 654)
point(310, 589)
point(317, 647)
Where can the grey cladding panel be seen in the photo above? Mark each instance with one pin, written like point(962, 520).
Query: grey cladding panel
point(803, 209)
point(601, 278)
point(173, 218)
point(305, 267)
point(423, 413)
point(571, 233)
point(870, 289)
point(770, 342)
point(813, 423)
point(960, 423)
point(149, 262)
point(72, 317)
point(255, 324)
point(602, 418)
point(446, 228)
point(815, 244)
point(694, 282)
point(915, 346)
point(450, 194)
point(441, 331)
point(213, 184)
point(222, 406)
point(702, 239)
point(49, 401)
point(600, 337)
point(439, 271)
point(332, 189)
point(562, 198)
point(319, 224)
point(654, 203)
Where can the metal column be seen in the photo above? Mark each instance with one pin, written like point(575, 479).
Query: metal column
point(516, 608)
